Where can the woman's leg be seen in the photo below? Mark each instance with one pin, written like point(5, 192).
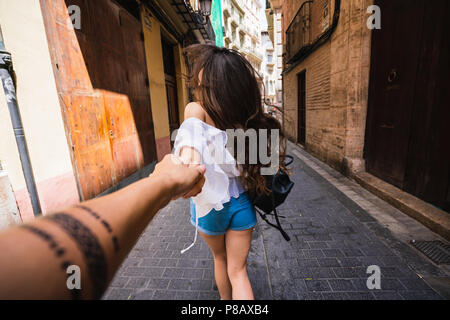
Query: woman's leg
point(217, 245)
point(237, 245)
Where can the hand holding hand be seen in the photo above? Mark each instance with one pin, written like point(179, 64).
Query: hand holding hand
point(183, 180)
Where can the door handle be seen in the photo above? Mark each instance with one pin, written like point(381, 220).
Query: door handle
point(393, 75)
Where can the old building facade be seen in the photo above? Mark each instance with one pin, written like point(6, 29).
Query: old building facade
point(275, 30)
point(101, 85)
point(242, 29)
point(320, 121)
point(349, 94)
point(268, 72)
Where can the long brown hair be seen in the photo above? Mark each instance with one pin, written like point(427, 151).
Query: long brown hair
point(229, 93)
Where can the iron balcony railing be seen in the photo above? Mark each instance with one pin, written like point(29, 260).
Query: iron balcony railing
point(189, 12)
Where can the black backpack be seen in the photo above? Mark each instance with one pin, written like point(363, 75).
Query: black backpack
point(280, 186)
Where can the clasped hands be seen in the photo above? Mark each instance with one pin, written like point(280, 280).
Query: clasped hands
point(183, 180)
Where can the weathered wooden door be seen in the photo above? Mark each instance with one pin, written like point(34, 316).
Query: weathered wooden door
point(100, 72)
point(113, 48)
point(408, 114)
point(301, 87)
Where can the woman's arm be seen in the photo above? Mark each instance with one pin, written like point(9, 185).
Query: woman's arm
point(96, 236)
point(189, 155)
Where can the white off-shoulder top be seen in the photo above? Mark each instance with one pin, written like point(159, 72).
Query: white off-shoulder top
point(221, 176)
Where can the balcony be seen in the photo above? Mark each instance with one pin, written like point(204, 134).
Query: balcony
point(251, 51)
point(312, 24)
point(270, 64)
point(239, 4)
point(298, 34)
point(194, 20)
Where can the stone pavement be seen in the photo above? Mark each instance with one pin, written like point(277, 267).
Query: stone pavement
point(333, 241)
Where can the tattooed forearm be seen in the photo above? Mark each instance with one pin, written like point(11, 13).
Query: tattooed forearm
point(47, 237)
point(89, 245)
point(59, 252)
point(96, 216)
point(103, 222)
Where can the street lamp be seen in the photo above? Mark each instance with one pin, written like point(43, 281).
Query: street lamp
point(205, 7)
point(203, 12)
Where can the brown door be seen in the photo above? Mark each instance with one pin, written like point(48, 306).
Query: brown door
point(114, 53)
point(100, 73)
point(171, 84)
point(407, 134)
point(172, 102)
point(301, 135)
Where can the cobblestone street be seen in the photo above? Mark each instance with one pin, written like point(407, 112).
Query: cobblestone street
point(333, 241)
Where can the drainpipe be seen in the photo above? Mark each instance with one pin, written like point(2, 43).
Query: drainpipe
point(6, 72)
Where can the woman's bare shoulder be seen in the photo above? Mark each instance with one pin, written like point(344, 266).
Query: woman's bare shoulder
point(194, 110)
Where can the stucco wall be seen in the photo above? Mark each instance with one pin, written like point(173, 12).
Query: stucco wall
point(155, 67)
point(337, 77)
point(9, 156)
point(24, 34)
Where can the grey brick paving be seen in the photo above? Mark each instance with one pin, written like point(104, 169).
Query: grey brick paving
point(333, 241)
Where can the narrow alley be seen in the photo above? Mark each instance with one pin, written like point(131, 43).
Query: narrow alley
point(333, 241)
point(93, 99)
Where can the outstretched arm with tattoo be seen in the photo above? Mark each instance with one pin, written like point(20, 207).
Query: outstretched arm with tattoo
point(95, 236)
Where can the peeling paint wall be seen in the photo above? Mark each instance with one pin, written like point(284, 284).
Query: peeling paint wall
point(9, 214)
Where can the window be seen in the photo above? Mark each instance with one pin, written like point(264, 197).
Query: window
point(269, 58)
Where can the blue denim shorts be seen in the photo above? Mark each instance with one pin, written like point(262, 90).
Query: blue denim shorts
point(238, 214)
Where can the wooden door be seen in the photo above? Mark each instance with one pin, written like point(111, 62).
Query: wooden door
point(408, 105)
point(395, 51)
point(100, 74)
point(171, 84)
point(428, 163)
point(172, 102)
point(301, 87)
point(137, 82)
point(114, 54)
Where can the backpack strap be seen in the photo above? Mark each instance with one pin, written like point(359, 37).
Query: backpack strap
point(283, 233)
point(274, 209)
point(276, 226)
point(290, 160)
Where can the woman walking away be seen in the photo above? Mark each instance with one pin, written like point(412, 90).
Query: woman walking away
point(227, 96)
